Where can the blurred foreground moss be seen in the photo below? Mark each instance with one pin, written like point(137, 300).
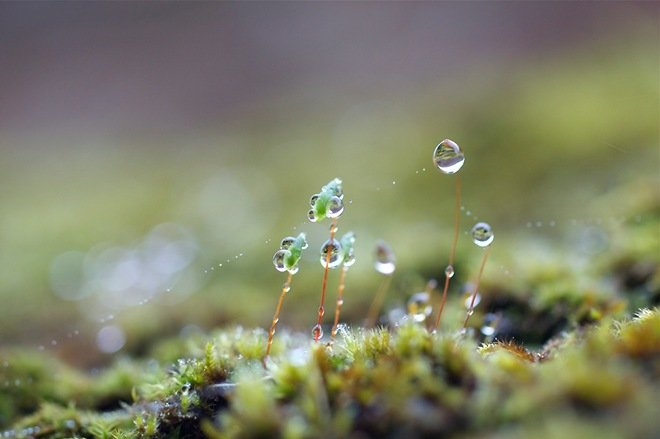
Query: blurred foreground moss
point(595, 381)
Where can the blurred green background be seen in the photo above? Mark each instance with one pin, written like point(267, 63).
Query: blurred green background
point(154, 154)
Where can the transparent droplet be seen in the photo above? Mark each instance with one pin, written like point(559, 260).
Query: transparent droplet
point(311, 215)
point(482, 234)
point(385, 260)
point(279, 258)
point(449, 271)
point(287, 242)
point(419, 306)
point(467, 299)
point(448, 157)
point(490, 324)
point(286, 288)
point(317, 332)
point(334, 228)
point(335, 207)
point(336, 255)
point(294, 269)
point(312, 201)
point(349, 259)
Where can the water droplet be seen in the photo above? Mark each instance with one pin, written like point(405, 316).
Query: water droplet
point(448, 157)
point(336, 254)
point(349, 258)
point(419, 306)
point(449, 271)
point(394, 182)
point(335, 207)
point(286, 288)
point(311, 215)
point(312, 201)
point(490, 324)
point(334, 228)
point(287, 242)
point(467, 299)
point(385, 260)
point(482, 234)
point(317, 332)
point(278, 259)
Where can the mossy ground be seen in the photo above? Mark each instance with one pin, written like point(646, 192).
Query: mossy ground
point(596, 381)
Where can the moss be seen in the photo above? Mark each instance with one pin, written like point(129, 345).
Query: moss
point(404, 382)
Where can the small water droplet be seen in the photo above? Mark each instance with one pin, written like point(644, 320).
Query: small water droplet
point(278, 259)
point(448, 157)
point(286, 288)
point(287, 242)
point(334, 228)
point(336, 254)
point(419, 306)
point(449, 271)
point(385, 260)
point(482, 234)
point(490, 324)
point(317, 332)
point(311, 215)
point(394, 182)
point(335, 207)
point(467, 299)
point(312, 201)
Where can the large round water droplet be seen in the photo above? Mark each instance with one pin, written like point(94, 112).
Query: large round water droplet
point(287, 242)
point(385, 261)
point(419, 306)
point(336, 255)
point(278, 259)
point(311, 215)
point(335, 207)
point(482, 234)
point(448, 157)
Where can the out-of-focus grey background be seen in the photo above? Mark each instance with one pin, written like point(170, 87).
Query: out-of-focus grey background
point(152, 155)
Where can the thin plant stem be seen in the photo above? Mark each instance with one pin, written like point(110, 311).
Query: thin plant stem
point(476, 286)
point(340, 300)
point(285, 289)
point(452, 253)
point(333, 229)
point(377, 303)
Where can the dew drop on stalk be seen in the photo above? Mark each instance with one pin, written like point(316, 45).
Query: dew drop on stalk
point(419, 306)
point(482, 234)
point(449, 271)
point(385, 260)
point(278, 260)
point(317, 332)
point(448, 157)
point(336, 255)
point(467, 299)
point(335, 207)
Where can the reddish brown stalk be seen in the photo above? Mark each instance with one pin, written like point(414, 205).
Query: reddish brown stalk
point(476, 286)
point(276, 317)
point(340, 301)
point(374, 309)
point(317, 333)
point(452, 253)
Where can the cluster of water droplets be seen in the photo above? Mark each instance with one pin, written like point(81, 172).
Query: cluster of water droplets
point(329, 203)
point(289, 253)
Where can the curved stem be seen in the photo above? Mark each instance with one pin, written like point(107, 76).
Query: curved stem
point(340, 301)
point(452, 253)
point(374, 309)
point(476, 286)
point(285, 288)
point(333, 229)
